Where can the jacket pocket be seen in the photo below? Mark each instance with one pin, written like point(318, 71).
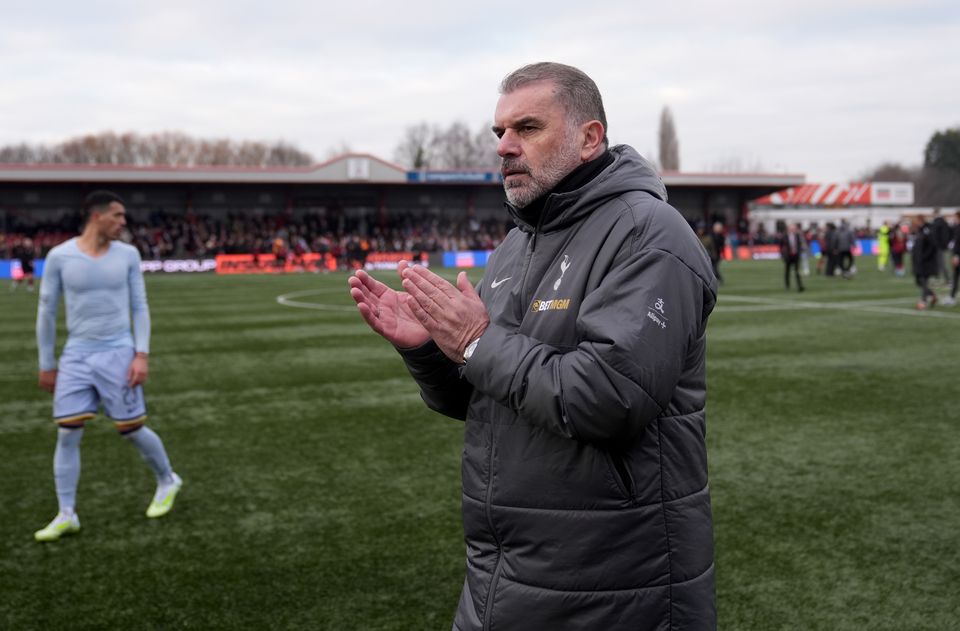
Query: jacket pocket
point(621, 474)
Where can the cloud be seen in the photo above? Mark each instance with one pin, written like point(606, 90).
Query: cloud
point(816, 87)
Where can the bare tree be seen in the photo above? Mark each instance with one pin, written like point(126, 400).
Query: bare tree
point(414, 148)
point(338, 150)
point(20, 154)
point(286, 155)
point(937, 182)
point(167, 148)
point(453, 147)
point(485, 148)
point(890, 172)
point(738, 164)
point(432, 147)
point(938, 187)
point(669, 144)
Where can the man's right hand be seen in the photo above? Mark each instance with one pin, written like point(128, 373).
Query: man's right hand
point(48, 380)
point(387, 311)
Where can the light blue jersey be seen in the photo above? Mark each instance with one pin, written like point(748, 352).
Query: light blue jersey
point(101, 295)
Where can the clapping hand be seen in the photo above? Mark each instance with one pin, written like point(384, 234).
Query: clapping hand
point(387, 311)
point(453, 316)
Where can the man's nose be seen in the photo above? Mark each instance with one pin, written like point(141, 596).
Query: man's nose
point(509, 145)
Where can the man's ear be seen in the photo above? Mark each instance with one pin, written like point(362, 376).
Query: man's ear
point(593, 134)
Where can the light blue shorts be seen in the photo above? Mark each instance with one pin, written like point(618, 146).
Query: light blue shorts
point(85, 380)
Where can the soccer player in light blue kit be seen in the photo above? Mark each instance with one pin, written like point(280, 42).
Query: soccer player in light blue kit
point(103, 362)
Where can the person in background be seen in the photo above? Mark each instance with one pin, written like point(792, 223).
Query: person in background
point(941, 238)
point(104, 362)
point(280, 253)
point(718, 252)
point(951, 300)
point(924, 258)
point(828, 248)
point(898, 246)
point(706, 240)
point(792, 245)
point(844, 242)
point(883, 246)
point(24, 253)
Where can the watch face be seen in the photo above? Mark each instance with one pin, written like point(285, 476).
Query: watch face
point(468, 352)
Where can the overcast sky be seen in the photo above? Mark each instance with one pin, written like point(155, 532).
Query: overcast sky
point(825, 88)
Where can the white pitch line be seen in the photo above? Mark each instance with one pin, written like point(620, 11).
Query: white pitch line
point(286, 302)
point(285, 299)
point(759, 304)
point(869, 306)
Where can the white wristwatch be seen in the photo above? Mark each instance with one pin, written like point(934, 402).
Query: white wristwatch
point(468, 351)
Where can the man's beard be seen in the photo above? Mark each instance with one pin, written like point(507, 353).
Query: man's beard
point(557, 167)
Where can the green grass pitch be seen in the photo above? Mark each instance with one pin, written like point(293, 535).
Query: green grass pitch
point(321, 494)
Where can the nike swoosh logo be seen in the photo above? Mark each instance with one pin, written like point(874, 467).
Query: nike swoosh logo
point(496, 283)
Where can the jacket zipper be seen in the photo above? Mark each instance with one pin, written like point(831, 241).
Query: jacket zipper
point(523, 278)
point(488, 608)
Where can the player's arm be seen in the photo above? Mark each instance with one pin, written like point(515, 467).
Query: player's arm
point(140, 312)
point(50, 288)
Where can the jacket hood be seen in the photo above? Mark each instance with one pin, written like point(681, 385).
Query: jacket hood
point(629, 171)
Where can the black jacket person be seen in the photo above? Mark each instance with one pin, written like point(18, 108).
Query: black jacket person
point(585, 495)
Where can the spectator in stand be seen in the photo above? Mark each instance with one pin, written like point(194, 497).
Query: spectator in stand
point(322, 246)
point(924, 261)
point(25, 253)
point(300, 250)
point(280, 254)
point(792, 245)
point(164, 234)
point(951, 300)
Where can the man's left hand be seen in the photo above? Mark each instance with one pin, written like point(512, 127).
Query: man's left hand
point(138, 370)
point(454, 316)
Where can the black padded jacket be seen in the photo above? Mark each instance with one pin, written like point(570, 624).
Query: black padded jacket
point(585, 495)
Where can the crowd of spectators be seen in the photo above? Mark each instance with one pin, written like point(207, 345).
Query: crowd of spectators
point(161, 234)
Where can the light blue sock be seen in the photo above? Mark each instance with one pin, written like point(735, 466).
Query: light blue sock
point(151, 448)
point(66, 467)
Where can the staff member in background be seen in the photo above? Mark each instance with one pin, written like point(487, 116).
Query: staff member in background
point(941, 233)
point(792, 245)
point(579, 368)
point(924, 258)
